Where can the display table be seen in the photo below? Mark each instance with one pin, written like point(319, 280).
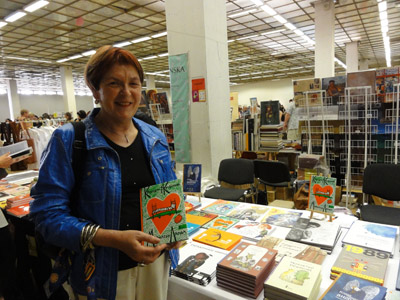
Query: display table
point(180, 289)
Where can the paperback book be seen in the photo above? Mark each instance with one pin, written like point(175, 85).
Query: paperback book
point(221, 207)
point(248, 212)
point(192, 228)
point(218, 238)
point(199, 217)
point(280, 217)
point(251, 230)
point(221, 223)
point(19, 211)
point(163, 211)
point(191, 205)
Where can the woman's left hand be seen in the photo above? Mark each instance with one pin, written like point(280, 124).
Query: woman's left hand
point(174, 245)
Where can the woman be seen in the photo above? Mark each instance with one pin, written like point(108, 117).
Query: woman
point(124, 154)
point(81, 116)
point(68, 117)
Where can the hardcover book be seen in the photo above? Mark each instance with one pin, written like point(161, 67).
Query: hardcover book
point(251, 230)
point(221, 207)
point(269, 113)
point(248, 212)
point(372, 235)
point(352, 288)
point(192, 178)
point(199, 217)
point(221, 223)
point(292, 249)
point(363, 263)
point(163, 211)
point(280, 217)
point(218, 238)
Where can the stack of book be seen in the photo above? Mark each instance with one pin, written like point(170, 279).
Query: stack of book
point(293, 279)
point(218, 238)
point(198, 262)
point(245, 269)
point(321, 234)
point(271, 138)
point(363, 263)
point(19, 211)
point(18, 200)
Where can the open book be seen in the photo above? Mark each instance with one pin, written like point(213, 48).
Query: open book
point(17, 149)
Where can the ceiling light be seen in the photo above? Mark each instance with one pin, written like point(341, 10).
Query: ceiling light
point(43, 61)
point(90, 52)
point(242, 13)
point(273, 31)
point(159, 35)
point(62, 60)
point(230, 41)
point(298, 32)
point(15, 16)
point(2, 24)
point(247, 37)
point(280, 19)
point(268, 10)
point(382, 6)
point(290, 26)
point(163, 54)
point(75, 56)
point(242, 58)
point(122, 44)
point(150, 57)
point(142, 39)
point(35, 5)
point(257, 2)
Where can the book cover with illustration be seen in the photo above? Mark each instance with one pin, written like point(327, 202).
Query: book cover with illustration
point(297, 278)
point(280, 217)
point(269, 113)
point(221, 223)
point(8, 186)
point(251, 230)
point(221, 207)
point(292, 249)
point(334, 87)
point(17, 191)
point(200, 217)
point(191, 204)
point(198, 262)
point(301, 87)
point(352, 288)
point(249, 212)
point(364, 263)
point(163, 211)
point(372, 235)
point(322, 194)
point(192, 228)
point(218, 238)
point(192, 178)
point(19, 211)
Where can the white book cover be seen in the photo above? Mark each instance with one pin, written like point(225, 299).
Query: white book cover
point(198, 260)
point(251, 212)
point(372, 235)
point(251, 230)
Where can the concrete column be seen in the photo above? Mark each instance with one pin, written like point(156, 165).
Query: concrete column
point(14, 105)
point(364, 64)
point(150, 82)
point(198, 27)
point(324, 39)
point(68, 90)
point(352, 57)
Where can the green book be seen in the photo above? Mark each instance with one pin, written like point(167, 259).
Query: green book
point(163, 211)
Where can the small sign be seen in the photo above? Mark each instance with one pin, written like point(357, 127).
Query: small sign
point(322, 194)
point(199, 90)
point(192, 178)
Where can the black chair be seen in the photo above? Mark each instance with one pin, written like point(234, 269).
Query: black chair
point(236, 178)
point(382, 180)
point(272, 173)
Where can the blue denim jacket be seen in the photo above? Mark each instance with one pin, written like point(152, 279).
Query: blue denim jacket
point(99, 196)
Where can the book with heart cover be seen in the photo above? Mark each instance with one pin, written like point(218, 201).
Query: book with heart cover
point(221, 223)
point(199, 217)
point(322, 194)
point(218, 238)
point(163, 212)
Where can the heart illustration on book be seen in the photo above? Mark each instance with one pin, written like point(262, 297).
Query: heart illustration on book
point(322, 193)
point(163, 211)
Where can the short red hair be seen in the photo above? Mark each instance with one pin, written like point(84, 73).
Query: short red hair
point(103, 60)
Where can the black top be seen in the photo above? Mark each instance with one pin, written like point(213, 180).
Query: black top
point(135, 174)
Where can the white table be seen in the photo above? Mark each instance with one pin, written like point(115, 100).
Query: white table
point(180, 289)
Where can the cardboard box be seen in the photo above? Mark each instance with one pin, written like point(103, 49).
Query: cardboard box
point(270, 196)
point(282, 193)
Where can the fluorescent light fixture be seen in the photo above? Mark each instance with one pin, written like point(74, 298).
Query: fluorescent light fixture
point(242, 58)
point(296, 68)
point(269, 10)
point(272, 32)
point(17, 58)
point(298, 32)
point(51, 93)
point(247, 37)
point(15, 16)
point(230, 41)
point(3, 91)
point(162, 75)
point(242, 13)
point(290, 26)
point(142, 39)
point(150, 57)
point(62, 60)
point(60, 93)
point(140, 59)
point(90, 52)
point(232, 76)
point(340, 63)
point(35, 5)
point(163, 54)
point(280, 19)
point(382, 6)
point(122, 44)
point(43, 61)
point(76, 56)
point(2, 24)
point(159, 35)
point(257, 2)
point(308, 40)
point(26, 92)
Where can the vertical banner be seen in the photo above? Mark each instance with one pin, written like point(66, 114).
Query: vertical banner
point(180, 105)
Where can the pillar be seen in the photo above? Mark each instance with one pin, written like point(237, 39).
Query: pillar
point(364, 64)
point(352, 57)
point(324, 39)
point(198, 27)
point(14, 104)
point(150, 82)
point(67, 83)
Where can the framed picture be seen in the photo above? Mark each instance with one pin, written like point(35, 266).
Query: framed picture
point(192, 178)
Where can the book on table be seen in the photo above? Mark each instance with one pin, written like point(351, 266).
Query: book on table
point(218, 238)
point(221, 223)
point(221, 207)
point(251, 230)
point(245, 269)
point(292, 249)
point(192, 228)
point(200, 217)
point(361, 262)
point(280, 217)
point(191, 204)
point(372, 235)
point(248, 212)
point(163, 211)
point(198, 262)
point(293, 279)
point(353, 288)
point(19, 211)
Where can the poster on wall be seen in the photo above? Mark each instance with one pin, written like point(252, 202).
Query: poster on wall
point(300, 87)
point(162, 99)
point(199, 90)
point(361, 79)
point(334, 87)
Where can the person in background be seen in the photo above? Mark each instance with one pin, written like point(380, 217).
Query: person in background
point(68, 117)
point(245, 111)
point(282, 113)
point(24, 115)
point(81, 116)
point(333, 91)
point(123, 155)
point(291, 123)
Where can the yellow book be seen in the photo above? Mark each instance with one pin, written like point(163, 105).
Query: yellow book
point(218, 238)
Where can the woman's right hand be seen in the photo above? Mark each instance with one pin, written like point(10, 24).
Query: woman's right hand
point(6, 160)
point(130, 242)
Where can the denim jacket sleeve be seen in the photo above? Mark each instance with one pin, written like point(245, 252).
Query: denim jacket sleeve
point(50, 208)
